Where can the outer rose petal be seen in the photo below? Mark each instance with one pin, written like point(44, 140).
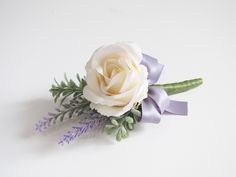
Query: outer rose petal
point(116, 93)
point(133, 49)
point(120, 47)
point(108, 110)
point(101, 53)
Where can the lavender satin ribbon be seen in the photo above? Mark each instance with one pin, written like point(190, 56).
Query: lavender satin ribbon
point(158, 101)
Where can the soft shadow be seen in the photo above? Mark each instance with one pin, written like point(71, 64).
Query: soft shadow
point(32, 111)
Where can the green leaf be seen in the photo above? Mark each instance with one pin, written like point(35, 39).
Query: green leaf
point(118, 135)
point(78, 77)
point(114, 122)
point(66, 79)
point(109, 129)
point(130, 126)
point(124, 132)
point(67, 88)
point(136, 112)
point(63, 84)
point(109, 126)
point(129, 119)
point(56, 82)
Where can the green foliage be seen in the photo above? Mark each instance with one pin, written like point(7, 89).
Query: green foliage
point(121, 126)
point(75, 106)
point(67, 88)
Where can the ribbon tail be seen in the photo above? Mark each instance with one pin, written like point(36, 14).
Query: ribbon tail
point(177, 107)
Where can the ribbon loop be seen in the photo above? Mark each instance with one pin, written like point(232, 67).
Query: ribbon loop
point(149, 112)
point(160, 98)
point(153, 67)
point(158, 101)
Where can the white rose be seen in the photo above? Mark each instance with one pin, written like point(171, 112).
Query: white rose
point(115, 79)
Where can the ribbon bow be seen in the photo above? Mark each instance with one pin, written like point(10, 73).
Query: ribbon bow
point(158, 101)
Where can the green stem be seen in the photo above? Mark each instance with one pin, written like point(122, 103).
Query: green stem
point(178, 87)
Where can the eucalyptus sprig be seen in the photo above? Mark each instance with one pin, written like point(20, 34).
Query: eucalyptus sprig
point(121, 126)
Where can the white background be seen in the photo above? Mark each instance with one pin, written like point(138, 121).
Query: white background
point(40, 40)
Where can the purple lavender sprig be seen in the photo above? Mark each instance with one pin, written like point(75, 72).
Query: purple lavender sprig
point(45, 123)
point(93, 121)
point(76, 107)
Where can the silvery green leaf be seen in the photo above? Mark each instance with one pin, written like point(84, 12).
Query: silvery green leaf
point(109, 126)
point(109, 129)
point(114, 122)
point(129, 119)
point(130, 126)
point(136, 112)
point(118, 135)
point(124, 132)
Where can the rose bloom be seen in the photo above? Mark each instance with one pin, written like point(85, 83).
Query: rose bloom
point(116, 80)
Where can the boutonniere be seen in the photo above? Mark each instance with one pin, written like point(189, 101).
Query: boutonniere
point(120, 89)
